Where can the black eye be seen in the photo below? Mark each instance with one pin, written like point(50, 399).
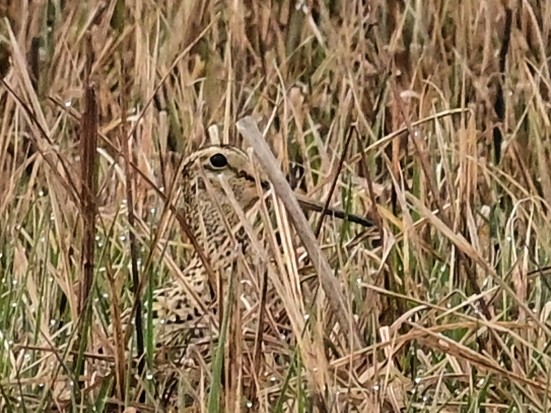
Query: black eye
point(218, 160)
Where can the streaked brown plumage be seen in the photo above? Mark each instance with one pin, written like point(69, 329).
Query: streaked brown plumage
point(209, 213)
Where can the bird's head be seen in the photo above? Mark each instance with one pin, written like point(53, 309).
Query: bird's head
point(222, 162)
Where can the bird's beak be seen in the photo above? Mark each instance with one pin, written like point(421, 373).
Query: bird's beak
point(311, 205)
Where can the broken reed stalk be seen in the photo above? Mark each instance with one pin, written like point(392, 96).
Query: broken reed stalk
point(88, 191)
point(88, 194)
point(249, 129)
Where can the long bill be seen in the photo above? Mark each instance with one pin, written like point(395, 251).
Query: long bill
point(316, 206)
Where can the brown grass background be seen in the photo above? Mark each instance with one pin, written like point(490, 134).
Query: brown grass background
point(443, 109)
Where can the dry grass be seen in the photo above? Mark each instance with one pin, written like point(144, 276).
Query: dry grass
point(448, 293)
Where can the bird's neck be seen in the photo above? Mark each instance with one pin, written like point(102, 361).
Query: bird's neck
point(211, 232)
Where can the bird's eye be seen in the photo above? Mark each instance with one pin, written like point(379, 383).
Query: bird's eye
point(218, 160)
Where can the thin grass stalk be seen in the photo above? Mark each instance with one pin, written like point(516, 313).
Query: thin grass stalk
point(129, 157)
point(326, 207)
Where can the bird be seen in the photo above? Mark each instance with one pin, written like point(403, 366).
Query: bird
point(216, 227)
point(182, 308)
